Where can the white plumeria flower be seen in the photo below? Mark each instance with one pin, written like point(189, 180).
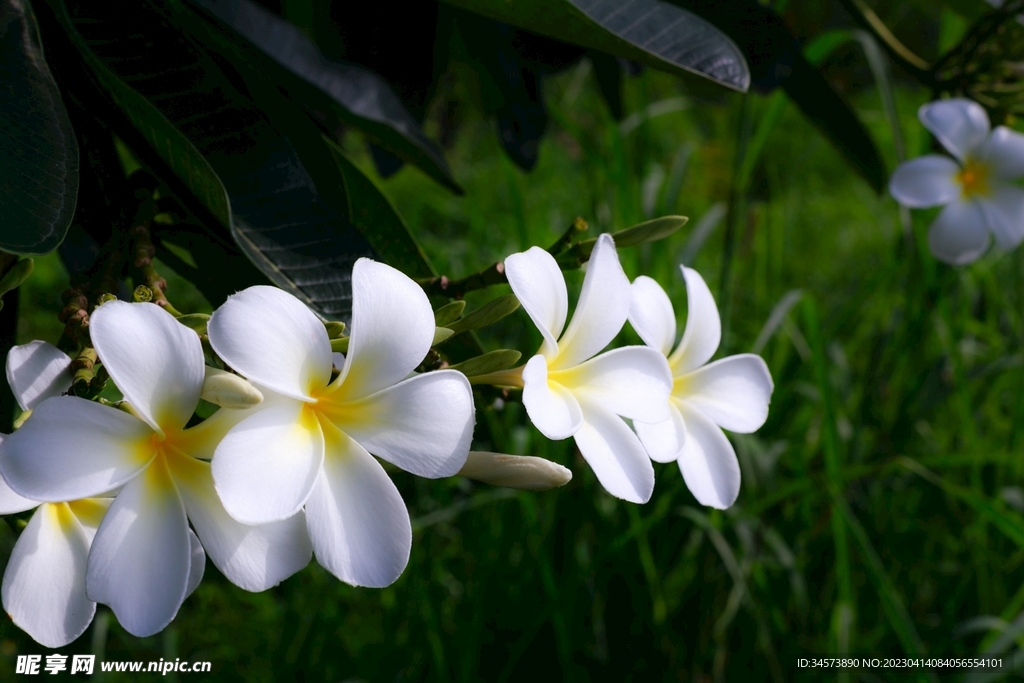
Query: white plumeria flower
point(44, 583)
point(568, 390)
point(310, 441)
point(731, 393)
point(976, 189)
point(144, 559)
point(37, 371)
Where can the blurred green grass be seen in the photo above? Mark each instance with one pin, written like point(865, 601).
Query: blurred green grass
point(881, 509)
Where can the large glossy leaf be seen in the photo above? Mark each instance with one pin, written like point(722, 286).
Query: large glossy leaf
point(355, 194)
point(351, 94)
point(38, 150)
point(248, 174)
point(652, 32)
point(376, 218)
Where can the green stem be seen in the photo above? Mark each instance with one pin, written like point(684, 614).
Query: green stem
point(899, 52)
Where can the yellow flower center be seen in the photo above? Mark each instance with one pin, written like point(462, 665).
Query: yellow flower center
point(973, 179)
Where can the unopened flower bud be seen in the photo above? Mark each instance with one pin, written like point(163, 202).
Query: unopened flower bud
point(334, 329)
point(228, 390)
point(142, 294)
point(104, 298)
point(515, 471)
point(20, 420)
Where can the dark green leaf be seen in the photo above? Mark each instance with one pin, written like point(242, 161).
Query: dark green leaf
point(491, 312)
point(38, 149)
point(652, 32)
point(449, 313)
point(649, 231)
point(809, 90)
point(372, 213)
point(354, 95)
point(247, 173)
point(673, 35)
point(492, 361)
point(441, 334)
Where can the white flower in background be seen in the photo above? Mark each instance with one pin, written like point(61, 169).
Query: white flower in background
point(310, 441)
point(144, 559)
point(976, 188)
point(37, 371)
point(44, 583)
point(570, 391)
point(732, 393)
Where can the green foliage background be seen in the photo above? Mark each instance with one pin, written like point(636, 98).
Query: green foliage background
point(881, 511)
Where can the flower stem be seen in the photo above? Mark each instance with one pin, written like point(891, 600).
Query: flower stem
point(442, 286)
point(143, 251)
point(899, 52)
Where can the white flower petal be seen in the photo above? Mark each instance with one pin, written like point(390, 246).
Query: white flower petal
point(551, 407)
point(1004, 214)
point(201, 440)
point(197, 563)
point(90, 513)
point(357, 520)
point(959, 235)
point(632, 381)
point(392, 329)
point(601, 310)
point(663, 441)
point(1004, 153)
point(37, 371)
point(961, 125)
point(251, 557)
point(72, 448)
point(703, 330)
point(265, 467)
point(274, 340)
point(734, 392)
point(44, 584)
point(615, 454)
point(708, 461)
point(925, 181)
point(154, 360)
point(141, 557)
point(651, 314)
point(424, 424)
point(11, 502)
point(538, 283)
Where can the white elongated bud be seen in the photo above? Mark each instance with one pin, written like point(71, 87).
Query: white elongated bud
point(228, 390)
point(515, 471)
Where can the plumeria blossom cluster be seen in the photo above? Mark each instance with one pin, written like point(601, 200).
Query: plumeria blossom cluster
point(978, 187)
point(676, 406)
point(132, 497)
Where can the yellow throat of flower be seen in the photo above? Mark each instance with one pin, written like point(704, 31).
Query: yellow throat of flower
point(973, 179)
